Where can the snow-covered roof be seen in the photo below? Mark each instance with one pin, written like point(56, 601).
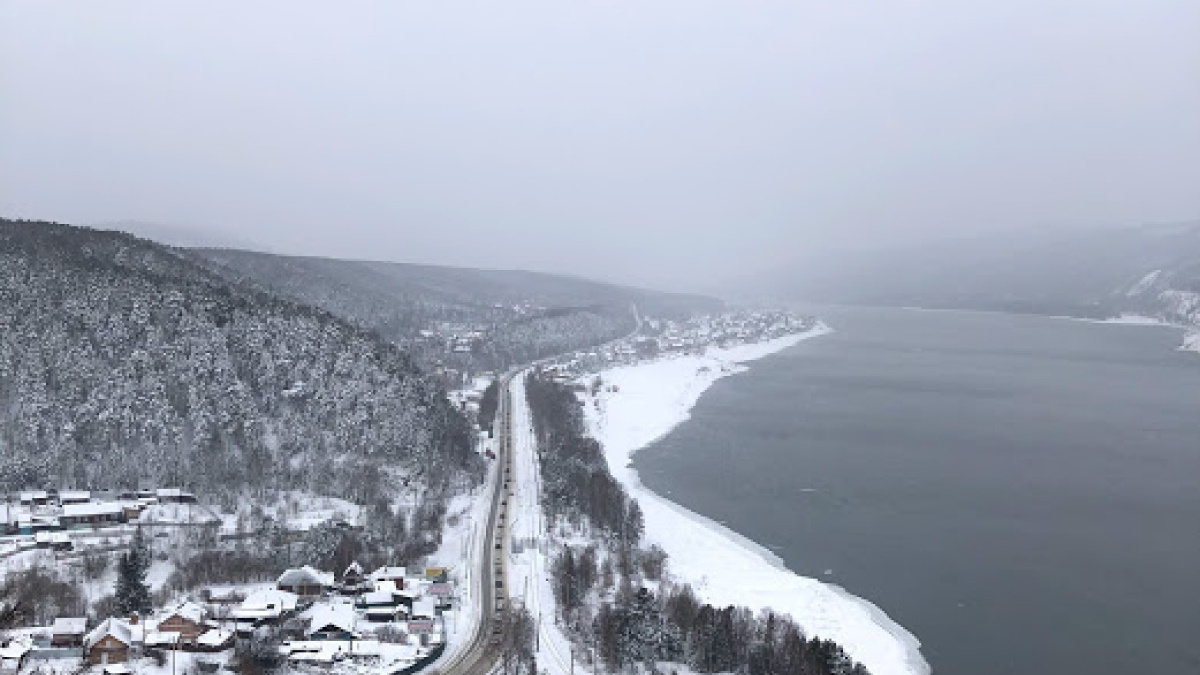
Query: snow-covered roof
point(305, 576)
point(386, 586)
point(269, 596)
point(424, 607)
point(117, 628)
point(34, 494)
point(354, 569)
point(187, 610)
point(118, 669)
point(214, 638)
point(15, 649)
point(379, 598)
point(75, 495)
point(339, 616)
point(163, 639)
point(69, 626)
point(103, 509)
point(388, 572)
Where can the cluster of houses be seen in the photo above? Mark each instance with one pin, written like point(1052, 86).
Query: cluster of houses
point(389, 615)
point(43, 511)
point(665, 337)
point(116, 640)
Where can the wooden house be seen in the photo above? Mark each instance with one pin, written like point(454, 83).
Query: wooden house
point(110, 642)
point(186, 619)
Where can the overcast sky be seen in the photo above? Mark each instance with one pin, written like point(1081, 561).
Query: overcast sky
point(670, 143)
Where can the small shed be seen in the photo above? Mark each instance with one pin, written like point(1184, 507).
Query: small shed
point(215, 640)
point(74, 497)
point(68, 632)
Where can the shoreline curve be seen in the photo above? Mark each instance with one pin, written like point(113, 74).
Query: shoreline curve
point(655, 397)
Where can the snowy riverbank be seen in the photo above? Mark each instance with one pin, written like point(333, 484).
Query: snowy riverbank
point(724, 567)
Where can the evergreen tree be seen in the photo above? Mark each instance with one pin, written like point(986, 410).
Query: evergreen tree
point(132, 594)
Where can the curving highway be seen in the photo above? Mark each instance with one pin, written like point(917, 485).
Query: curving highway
point(478, 654)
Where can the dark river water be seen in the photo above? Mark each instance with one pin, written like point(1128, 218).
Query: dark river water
point(1021, 493)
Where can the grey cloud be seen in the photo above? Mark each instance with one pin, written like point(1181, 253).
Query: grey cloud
point(680, 144)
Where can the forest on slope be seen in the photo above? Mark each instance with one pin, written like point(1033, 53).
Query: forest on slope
point(125, 363)
point(527, 315)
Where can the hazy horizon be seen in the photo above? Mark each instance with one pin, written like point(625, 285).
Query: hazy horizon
point(675, 145)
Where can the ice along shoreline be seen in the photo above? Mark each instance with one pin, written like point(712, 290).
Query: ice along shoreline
point(725, 567)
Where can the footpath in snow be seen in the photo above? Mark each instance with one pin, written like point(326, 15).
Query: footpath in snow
point(724, 567)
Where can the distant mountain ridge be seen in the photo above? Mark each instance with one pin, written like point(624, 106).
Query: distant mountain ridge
point(124, 362)
point(1100, 273)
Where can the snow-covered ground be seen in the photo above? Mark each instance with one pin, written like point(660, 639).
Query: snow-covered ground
point(1135, 320)
point(641, 403)
point(529, 561)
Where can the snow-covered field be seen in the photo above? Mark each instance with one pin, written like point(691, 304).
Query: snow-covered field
point(724, 567)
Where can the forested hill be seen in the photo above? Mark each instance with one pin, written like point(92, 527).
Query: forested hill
point(126, 363)
point(524, 314)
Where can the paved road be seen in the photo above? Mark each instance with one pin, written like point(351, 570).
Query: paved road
point(480, 653)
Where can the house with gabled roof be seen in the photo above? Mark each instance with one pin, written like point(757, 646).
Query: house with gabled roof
point(332, 622)
point(108, 642)
point(186, 619)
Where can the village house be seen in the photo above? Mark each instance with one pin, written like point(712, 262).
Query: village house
point(68, 632)
point(186, 619)
point(58, 541)
point(215, 640)
point(29, 524)
point(174, 496)
point(393, 574)
point(305, 581)
point(442, 592)
point(35, 498)
point(424, 608)
point(12, 654)
point(110, 642)
point(353, 579)
point(74, 497)
point(78, 515)
point(332, 622)
point(263, 608)
point(381, 606)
